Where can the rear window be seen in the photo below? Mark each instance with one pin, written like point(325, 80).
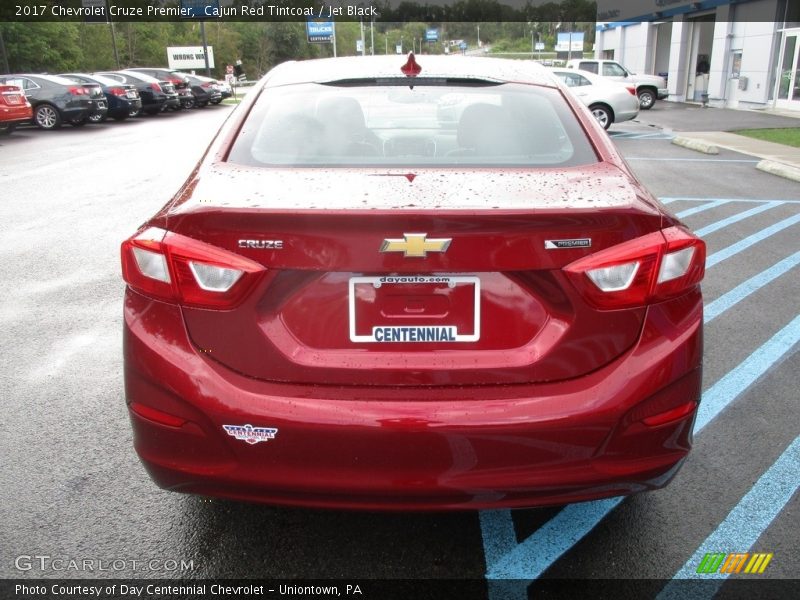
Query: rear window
point(395, 125)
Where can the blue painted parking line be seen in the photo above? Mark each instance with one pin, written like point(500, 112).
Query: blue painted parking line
point(634, 135)
point(713, 309)
point(719, 395)
point(740, 530)
point(530, 558)
point(708, 229)
point(671, 199)
point(744, 244)
point(715, 160)
point(702, 208)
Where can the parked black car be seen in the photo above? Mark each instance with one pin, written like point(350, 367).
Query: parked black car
point(57, 100)
point(205, 92)
point(123, 98)
point(176, 78)
point(222, 87)
point(156, 95)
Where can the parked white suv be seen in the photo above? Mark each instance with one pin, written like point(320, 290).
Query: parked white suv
point(648, 87)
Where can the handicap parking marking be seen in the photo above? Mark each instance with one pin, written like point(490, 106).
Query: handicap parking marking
point(523, 562)
point(527, 560)
point(713, 309)
point(750, 240)
point(745, 523)
point(756, 210)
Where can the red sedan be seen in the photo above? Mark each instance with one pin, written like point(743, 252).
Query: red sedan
point(412, 284)
point(14, 108)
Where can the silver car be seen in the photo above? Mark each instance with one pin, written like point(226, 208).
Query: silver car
point(609, 101)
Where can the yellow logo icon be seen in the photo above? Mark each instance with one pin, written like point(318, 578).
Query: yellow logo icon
point(416, 245)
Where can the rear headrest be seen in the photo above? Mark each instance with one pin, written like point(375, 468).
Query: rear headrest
point(488, 129)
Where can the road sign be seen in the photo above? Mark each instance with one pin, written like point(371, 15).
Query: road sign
point(359, 46)
point(229, 70)
point(431, 35)
point(319, 32)
point(398, 49)
point(189, 57)
point(540, 45)
point(463, 45)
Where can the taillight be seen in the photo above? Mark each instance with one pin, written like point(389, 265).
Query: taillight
point(118, 91)
point(206, 85)
point(631, 90)
point(155, 87)
point(178, 269)
point(78, 91)
point(648, 269)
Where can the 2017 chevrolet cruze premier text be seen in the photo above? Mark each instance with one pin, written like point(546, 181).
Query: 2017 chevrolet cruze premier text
point(424, 283)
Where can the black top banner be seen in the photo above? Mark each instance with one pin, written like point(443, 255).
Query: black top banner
point(300, 10)
point(394, 11)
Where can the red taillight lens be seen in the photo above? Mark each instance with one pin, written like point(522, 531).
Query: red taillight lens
point(631, 90)
point(155, 87)
point(206, 85)
point(652, 268)
point(78, 91)
point(118, 91)
point(178, 269)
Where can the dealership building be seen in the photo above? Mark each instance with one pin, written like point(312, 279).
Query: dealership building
point(736, 54)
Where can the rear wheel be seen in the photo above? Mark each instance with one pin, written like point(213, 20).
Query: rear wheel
point(98, 118)
point(647, 98)
point(135, 112)
point(46, 117)
point(603, 115)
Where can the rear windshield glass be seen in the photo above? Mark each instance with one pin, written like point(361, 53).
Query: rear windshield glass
point(394, 125)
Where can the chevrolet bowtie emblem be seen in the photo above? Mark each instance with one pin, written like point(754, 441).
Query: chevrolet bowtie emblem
point(416, 245)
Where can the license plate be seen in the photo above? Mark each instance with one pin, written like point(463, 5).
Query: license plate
point(131, 94)
point(13, 98)
point(415, 309)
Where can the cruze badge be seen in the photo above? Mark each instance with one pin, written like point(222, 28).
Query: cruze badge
point(262, 244)
point(250, 434)
point(416, 245)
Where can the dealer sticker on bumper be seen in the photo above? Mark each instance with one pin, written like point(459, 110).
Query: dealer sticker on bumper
point(415, 309)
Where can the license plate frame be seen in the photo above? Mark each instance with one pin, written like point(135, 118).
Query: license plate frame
point(452, 335)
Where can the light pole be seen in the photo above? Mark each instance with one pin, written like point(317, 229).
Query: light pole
point(479, 36)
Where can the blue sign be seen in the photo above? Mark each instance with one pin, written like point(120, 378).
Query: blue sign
point(463, 45)
point(196, 9)
point(431, 35)
point(319, 31)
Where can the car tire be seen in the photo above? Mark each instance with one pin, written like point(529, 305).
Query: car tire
point(216, 101)
point(98, 118)
point(202, 104)
point(46, 116)
point(647, 98)
point(189, 103)
point(603, 114)
point(135, 112)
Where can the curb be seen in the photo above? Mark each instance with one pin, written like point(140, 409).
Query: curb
point(779, 169)
point(697, 145)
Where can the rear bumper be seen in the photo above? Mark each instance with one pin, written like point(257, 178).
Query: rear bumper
point(412, 448)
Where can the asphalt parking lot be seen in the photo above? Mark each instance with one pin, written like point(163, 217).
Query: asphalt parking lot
point(72, 488)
